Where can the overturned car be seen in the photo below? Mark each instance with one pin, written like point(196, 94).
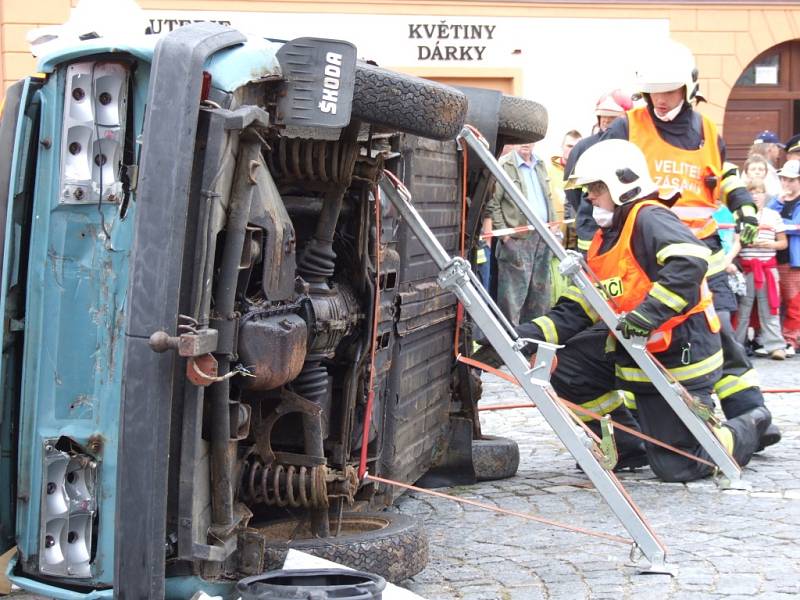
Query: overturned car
point(214, 322)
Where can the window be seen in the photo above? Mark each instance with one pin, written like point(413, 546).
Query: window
point(764, 71)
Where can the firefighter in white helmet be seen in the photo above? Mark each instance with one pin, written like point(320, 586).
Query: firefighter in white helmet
point(654, 269)
point(685, 153)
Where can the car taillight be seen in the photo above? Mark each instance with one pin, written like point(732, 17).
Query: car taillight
point(69, 505)
point(93, 135)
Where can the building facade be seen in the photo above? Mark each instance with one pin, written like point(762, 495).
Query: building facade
point(561, 54)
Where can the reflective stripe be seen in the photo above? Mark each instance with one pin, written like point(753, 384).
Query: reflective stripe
point(694, 212)
point(611, 344)
point(695, 250)
point(548, 329)
point(725, 436)
point(685, 373)
point(603, 404)
point(574, 294)
point(729, 184)
point(630, 400)
point(729, 385)
point(667, 297)
point(716, 263)
point(584, 244)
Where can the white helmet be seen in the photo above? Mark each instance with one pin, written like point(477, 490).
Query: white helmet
point(620, 165)
point(669, 66)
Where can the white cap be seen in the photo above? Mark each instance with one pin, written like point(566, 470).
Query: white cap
point(791, 169)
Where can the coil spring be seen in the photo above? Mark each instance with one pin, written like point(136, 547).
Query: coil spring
point(316, 160)
point(285, 485)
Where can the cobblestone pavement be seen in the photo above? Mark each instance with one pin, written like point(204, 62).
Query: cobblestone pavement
point(724, 544)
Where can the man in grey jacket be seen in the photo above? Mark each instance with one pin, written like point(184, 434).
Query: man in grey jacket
point(523, 259)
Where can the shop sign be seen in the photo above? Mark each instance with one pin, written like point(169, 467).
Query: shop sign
point(445, 41)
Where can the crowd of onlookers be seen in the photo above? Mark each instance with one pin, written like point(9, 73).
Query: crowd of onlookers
point(765, 274)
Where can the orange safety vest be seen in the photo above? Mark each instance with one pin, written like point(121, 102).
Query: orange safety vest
point(684, 170)
point(627, 284)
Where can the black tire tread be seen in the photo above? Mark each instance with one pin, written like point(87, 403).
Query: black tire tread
point(397, 552)
point(407, 103)
point(495, 457)
point(521, 121)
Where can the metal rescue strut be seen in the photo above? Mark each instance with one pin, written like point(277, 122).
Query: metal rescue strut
point(456, 276)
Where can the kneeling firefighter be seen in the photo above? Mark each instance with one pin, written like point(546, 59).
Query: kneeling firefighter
point(653, 269)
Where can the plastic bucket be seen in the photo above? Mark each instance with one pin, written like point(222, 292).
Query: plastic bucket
point(312, 584)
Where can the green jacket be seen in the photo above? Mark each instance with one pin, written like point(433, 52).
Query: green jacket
point(503, 212)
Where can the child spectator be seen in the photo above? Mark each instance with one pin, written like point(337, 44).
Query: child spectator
point(788, 205)
point(759, 265)
point(755, 167)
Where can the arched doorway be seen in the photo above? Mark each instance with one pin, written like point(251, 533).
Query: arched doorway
point(766, 96)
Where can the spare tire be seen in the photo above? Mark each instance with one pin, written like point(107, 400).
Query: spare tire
point(521, 121)
point(407, 103)
point(391, 545)
point(494, 457)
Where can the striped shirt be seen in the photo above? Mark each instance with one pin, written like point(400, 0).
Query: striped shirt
point(770, 224)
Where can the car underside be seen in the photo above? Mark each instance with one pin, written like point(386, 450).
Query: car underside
point(217, 322)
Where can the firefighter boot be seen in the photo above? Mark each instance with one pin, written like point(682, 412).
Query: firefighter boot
point(772, 435)
point(748, 429)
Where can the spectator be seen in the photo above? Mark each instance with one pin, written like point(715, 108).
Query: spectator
point(555, 173)
point(793, 147)
point(788, 205)
point(755, 167)
point(759, 265)
point(523, 259)
point(767, 145)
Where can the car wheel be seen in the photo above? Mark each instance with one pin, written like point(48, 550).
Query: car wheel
point(521, 121)
point(494, 458)
point(407, 103)
point(388, 544)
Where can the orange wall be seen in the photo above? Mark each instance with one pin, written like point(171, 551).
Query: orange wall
point(724, 38)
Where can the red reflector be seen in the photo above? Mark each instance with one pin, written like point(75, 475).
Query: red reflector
point(206, 88)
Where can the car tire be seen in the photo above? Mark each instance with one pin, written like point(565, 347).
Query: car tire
point(521, 121)
point(391, 545)
point(407, 103)
point(494, 457)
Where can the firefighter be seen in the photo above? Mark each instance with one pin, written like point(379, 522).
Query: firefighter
point(685, 152)
point(653, 268)
point(608, 107)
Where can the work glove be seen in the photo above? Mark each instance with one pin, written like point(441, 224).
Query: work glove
point(633, 324)
point(746, 224)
